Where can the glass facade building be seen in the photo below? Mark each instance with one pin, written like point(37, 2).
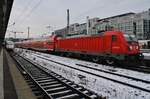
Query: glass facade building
point(131, 23)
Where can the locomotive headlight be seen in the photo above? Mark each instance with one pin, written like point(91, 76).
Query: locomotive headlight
point(130, 48)
point(137, 47)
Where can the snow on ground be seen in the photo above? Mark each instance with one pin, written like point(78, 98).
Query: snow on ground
point(101, 73)
point(146, 56)
point(125, 72)
point(99, 85)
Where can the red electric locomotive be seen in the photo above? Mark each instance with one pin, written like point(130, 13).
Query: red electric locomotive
point(110, 46)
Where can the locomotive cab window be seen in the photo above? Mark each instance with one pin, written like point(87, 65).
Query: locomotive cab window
point(130, 38)
point(114, 38)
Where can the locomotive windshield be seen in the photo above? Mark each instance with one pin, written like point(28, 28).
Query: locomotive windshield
point(130, 37)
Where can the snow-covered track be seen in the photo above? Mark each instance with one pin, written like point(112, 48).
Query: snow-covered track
point(133, 82)
point(121, 75)
point(137, 67)
point(144, 69)
point(52, 85)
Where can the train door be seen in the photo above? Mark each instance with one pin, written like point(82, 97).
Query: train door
point(115, 45)
point(110, 44)
point(107, 43)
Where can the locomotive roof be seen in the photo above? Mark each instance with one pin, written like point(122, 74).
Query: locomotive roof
point(99, 34)
point(51, 38)
point(85, 35)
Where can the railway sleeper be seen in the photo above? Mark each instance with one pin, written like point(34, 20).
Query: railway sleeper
point(38, 77)
point(44, 81)
point(30, 83)
point(51, 90)
point(37, 93)
point(70, 96)
point(52, 86)
point(60, 93)
point(34, 88)
point(49, 83)
point(43, 78)
point(40, 97)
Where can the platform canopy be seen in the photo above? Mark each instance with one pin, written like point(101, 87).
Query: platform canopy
point(5, 9)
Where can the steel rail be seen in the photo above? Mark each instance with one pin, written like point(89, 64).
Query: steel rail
point(111, 79)
point(121, 75)
point(74, 90)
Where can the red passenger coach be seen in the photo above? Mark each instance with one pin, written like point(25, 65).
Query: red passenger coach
point(44, 44)
point(40, 44)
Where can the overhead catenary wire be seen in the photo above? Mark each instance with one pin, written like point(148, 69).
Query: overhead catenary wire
point(31, 11)
point(25, 9)
point(89, 11)
point(86, 13)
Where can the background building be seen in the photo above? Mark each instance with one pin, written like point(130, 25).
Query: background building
point(131, 23)
point(123, 22)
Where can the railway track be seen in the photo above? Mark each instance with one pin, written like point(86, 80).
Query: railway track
point(101, 70)
point(134, 82)
point(51, 85)
point(143, 69)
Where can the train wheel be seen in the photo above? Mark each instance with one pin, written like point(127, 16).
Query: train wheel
point(110, 62)
point(95, 59)
point(62, 54)
point(68, 54)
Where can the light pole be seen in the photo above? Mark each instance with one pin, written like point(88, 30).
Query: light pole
point(87, 26)
point(50, 28)
point(28, 32)
point(10, 25)
point(15, 32)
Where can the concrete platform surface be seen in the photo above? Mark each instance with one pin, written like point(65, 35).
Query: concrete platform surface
point(12, 83)
point(1, 75)
point(22, 89)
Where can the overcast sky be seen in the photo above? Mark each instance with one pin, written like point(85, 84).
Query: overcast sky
point(38, 14)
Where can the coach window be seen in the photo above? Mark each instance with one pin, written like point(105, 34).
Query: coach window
point(114, 38)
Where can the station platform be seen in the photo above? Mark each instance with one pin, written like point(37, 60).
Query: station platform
point(1, 75)
point(12, 83)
